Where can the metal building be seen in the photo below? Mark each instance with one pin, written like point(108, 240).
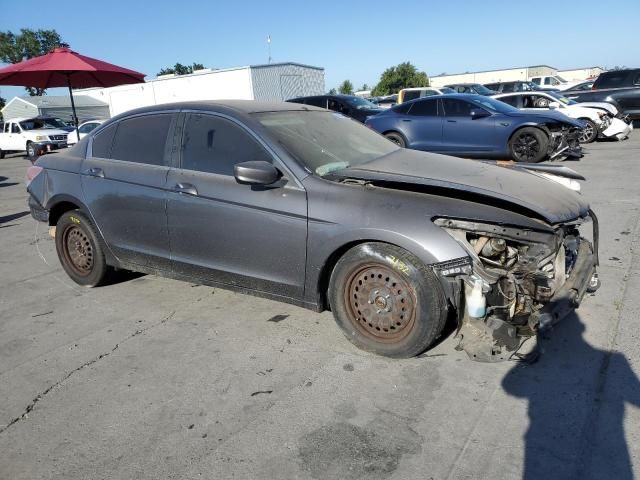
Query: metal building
point(275, 82)
point(87, 108)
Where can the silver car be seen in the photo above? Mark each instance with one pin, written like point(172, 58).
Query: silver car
point(306, 206)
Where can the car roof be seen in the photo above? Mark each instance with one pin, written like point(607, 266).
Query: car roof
point(462, 84)
point(444, 96)
point(242, 107)
point(529, 92)
point(420, 88)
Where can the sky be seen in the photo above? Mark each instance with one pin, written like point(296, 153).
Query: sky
point(353, 40)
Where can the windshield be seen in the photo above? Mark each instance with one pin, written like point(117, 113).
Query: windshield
point(495, 105)
point(38, 123)
point(482, 90)
point(361, 104)
point(562, 98)
point(325, 141)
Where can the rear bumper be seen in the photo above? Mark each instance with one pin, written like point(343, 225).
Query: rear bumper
point(38, 212)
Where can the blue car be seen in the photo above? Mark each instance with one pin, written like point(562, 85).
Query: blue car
point(479, 127)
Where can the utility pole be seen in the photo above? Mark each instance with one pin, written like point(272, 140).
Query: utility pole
point(269, 46)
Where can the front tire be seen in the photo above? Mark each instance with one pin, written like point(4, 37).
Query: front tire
point(589, 132)
point(79, 249)
point(396, 138)
point(386, 301)
point(528, 145)
point(31, 150)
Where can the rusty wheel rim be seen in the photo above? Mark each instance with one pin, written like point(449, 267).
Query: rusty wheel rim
point(380, 303)
point(78, 250)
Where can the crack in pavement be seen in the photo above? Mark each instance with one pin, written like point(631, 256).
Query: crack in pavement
point(25, 414)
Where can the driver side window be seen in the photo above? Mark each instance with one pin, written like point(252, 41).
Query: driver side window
point(337, 106)
point(15, 128)
point(215, 145)
point(457, 108)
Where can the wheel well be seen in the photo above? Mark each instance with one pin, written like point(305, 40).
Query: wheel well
point(58, 209)
point(528, 126)
point(327, 270)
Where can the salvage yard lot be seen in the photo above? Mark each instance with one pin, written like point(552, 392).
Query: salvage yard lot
point(155, 378)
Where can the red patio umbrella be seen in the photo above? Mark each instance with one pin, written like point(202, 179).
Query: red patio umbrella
point(65, 68)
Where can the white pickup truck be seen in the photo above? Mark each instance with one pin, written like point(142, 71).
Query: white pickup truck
point(32, 135)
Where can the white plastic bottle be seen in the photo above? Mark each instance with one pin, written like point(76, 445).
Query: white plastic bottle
point(475, 299)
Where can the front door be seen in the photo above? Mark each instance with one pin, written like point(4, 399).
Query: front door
point(16, 138)
point(247, 236)
point(123, 182)
point(462, 133)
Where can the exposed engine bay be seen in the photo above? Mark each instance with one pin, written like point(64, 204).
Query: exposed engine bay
point(516, 282)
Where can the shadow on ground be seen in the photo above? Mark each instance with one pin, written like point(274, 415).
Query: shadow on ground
point(576, 403)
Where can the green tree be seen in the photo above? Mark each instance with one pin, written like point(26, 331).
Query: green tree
point(346, 88)
point(333, 91)
point(179, 69)
point(364, 87)
point(15, 48)
point(396, 78)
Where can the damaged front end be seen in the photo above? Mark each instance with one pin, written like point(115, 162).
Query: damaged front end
point(516, 282)
point(564, 142)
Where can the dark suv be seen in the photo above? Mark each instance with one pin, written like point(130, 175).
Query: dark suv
point(355, 107)
point(618, 87)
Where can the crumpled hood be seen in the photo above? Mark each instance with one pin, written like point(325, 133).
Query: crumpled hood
point(549, 116)
point(546, 199)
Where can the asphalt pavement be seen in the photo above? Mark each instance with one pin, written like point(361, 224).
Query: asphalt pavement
point(151, 378)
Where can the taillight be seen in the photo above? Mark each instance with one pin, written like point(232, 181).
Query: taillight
point(32, 172)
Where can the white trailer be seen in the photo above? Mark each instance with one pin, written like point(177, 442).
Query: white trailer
point(272, 82)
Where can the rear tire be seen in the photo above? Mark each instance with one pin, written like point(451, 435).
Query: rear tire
point(79, 249)
point(589, 132)
point(396, 138)
point(528, 145)
point(386, 301)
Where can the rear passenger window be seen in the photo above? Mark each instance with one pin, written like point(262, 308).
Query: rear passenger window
point(425, 108)
point(513, 101)
point(403, 108)
point(142, 139)
point(612, 80)
point(410, 95)
point(102, 142)
point(214, 145)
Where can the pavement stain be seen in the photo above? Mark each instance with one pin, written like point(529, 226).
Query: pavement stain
point(345, 451)
point(278, 318)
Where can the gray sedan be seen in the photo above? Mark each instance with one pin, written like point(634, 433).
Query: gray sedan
point(306, 206)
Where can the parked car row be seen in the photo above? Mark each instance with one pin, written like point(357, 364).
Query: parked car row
point(39, 135)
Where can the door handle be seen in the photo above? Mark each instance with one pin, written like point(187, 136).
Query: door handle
point(406, 119)
point(95, 172)
point(187, 188)
point(452, 121)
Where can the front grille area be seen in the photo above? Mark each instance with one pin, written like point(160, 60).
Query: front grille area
point(58, 138)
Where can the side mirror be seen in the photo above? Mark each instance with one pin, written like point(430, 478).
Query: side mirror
point(554, 105)
point(257, 172)
point(477, 113)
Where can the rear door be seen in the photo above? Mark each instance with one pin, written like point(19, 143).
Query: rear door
point(123, 181)
point(421, 125)
point(247, 236)
point(461, 133)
